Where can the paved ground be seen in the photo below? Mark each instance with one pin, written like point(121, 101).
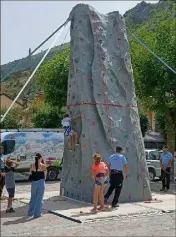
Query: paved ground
point(18, 224)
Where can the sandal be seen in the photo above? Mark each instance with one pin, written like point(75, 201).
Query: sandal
point(101, 208)
point(94, 210)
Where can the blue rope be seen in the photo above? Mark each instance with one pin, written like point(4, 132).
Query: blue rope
point(156, 56)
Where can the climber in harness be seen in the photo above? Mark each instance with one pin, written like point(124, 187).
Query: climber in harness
point(66, 123)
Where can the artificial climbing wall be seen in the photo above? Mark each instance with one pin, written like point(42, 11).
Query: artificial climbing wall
point(101, 86)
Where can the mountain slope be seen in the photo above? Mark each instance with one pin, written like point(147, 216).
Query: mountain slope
point(142, 15)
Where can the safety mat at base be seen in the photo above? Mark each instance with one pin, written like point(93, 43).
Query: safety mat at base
point(84, 214)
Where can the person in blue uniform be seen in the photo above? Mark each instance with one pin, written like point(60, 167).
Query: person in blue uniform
point(117, 163)
point(165, 163)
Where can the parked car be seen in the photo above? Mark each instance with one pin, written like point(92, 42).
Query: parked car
point(153, 163)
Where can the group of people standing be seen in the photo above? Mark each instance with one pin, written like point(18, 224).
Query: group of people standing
point(101, 173)
point(112, 170)
point(37, 176)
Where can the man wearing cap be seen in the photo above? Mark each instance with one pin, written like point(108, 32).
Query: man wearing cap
point(116, 163)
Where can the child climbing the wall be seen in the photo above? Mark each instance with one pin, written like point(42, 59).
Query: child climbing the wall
point(66, 123)
point(100, 173)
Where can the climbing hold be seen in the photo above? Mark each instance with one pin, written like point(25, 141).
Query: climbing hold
point(90, 78)
point(93, 122)
point(81, 38)
point(80, 181)
point(130, 196)
point(138, 177)
point(73, 96)
point(83, 135)
point(76, 60)
point(127, 149)
point(70, 112)
point(72, 179)
point(143, 170)
point(100, 41)
point(103, 58)
point(71, 75)
point(126, 136)
point(80, 21)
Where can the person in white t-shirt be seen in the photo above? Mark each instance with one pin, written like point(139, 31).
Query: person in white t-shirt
point(66, 123)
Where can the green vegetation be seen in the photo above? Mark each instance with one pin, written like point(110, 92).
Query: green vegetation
point(155, 25)
point(52, 78)
point(144, 124)
point(12, 121)
point(155, 84)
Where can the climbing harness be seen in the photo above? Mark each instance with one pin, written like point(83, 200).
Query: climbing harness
point(67, 130)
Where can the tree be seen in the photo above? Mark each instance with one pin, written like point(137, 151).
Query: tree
point(155, 84)
point(46, 117)
point(53, 78)
point(144, 124)
point(12, 120)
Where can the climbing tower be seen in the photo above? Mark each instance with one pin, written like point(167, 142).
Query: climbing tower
point(101, 86)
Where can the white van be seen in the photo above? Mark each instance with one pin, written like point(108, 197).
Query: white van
point(22, 146)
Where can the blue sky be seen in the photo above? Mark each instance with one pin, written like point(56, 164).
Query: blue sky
point(25, 24)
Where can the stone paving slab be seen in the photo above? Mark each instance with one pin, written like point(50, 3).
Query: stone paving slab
point(80, 212)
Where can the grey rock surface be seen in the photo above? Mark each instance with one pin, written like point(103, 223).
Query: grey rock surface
point(101, 86)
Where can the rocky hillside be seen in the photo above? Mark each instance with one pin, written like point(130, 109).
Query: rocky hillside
point(143, 14)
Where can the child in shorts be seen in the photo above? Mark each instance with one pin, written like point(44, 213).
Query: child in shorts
point(66, 123)
point(100, 173)
point(10, 183)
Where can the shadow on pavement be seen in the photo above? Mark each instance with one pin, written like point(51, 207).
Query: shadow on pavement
point(23, 219)
point(19, 212)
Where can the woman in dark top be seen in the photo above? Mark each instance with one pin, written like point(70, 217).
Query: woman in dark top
point(37, 172)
